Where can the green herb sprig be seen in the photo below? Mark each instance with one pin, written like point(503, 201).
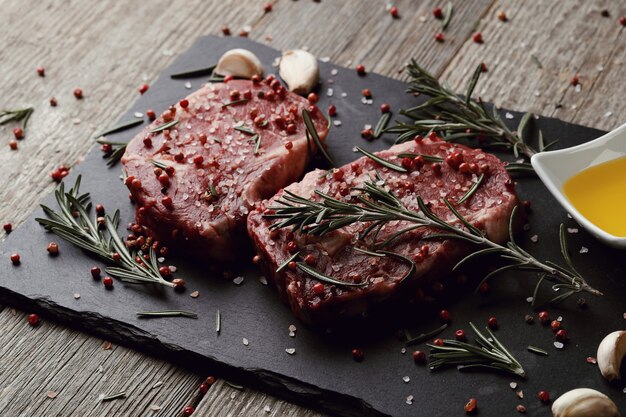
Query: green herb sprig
point(456, 117)
point(18, 115)
point(74, 224)
point(379, 206)
point(487, 353)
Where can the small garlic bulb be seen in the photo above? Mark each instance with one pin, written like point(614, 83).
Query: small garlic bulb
point(239, 63)
point(610, 354)
point(584, 402)
point(299, 69)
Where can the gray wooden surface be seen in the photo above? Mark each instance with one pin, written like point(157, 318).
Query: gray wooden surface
point(109, 48)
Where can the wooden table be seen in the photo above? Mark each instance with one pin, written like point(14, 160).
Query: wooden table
point(110, 48)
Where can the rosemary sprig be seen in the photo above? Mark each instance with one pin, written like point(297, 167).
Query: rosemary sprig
point(200, 72)
point(116, 152)
point(166, 313)
point(424, 336)
point(312, 133)
point(18, 115)
point(472, 190)
point(488, 353)
point(455, 117)
point(164, 126)
point(120, 127)
point(382, 124)
point(380, 160)
point(377, 205)
point(74, 224)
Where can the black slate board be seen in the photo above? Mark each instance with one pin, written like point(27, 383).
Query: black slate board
point(322, 373)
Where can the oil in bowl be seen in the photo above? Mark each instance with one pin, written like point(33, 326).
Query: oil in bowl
point(599, 194)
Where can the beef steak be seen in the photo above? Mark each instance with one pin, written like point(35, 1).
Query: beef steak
point(333, 254)
point(233, 144)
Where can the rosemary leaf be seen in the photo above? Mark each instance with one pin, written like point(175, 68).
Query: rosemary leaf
point(18, 115)
point(381, 161)
point(537, 350)
point(325, 278)
point(425, 336)
point(166, 313)
point(290, 259)
point(235, 102)
point(382, 124)
point(115, 396)
point(158, 164)
point(447, 16)
point(120, 127)
point(164, 126)
point(116, 153)
point(310, 128)
point(427, 158)
point(218, 321)
point(472, 190)
point(245, 129)
point(536, 60)
point(200, 72)
point(235, 386)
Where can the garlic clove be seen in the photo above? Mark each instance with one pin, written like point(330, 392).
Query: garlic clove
point(610, 354)
point(239, 63)
point(300, 70)
point(584, 402)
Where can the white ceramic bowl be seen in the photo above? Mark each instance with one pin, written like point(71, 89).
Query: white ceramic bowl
point(555, 167)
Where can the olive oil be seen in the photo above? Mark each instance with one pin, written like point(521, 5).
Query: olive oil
point(599, 194)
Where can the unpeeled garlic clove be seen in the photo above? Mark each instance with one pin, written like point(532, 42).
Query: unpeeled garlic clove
point(584, 402)
point(239, 63)
point(299, 69)
point(610, 354)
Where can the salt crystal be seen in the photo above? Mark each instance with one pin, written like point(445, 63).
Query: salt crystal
point(344, 95)
point(173, 268)
point(138, 115)
point(194, 294)
point(238, 280)
point(329, 92)
point(292, 328)
point(167, 52)
point(608, 114)
point(290, 351)
point(422, 19)
point(572, 230)
point(263, 280)
point(157, 384)
point(529, 299)
point(76, 296)
point(325, 59)
point(155, 407)
point(584, 249)
point(409, 400)
point(513, 385)
point(292, 334)
point(267, 409)
point(334, 71)
point(337, 123)
point(578, 88)
point(509, 115)
point(558, 345)
point(367, 127)
point(406, 379)
point(534, 238)
point(245, 342)
point(188, 85)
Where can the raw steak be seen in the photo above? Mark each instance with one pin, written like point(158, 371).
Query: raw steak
point(195, 182)
point(333, 254)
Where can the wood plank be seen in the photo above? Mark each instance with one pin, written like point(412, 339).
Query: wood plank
point(567, 38)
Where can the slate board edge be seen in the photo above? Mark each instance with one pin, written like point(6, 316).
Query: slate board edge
point(132, 337)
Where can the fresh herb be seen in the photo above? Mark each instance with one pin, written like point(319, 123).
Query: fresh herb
point(488, 353)
point(312, 132)
point(235, 386)
point(234, 102)
point(245, 129)
point(424, 336)
point(382, 124)
point(381, 161)
point(116, 152)
point(115, 396)
point(158, 164)
point(520, 168)
point(537, 350)
point(164, 126)
point(447, 16)
point(213, 191)
point(325, 278)
point(379, 206)
point(200, 72)
point(472, 190)
point(290, 259)
point(120, 127)
point(166, 313)
point(427, 158)
point(256, 139)
point(535, 59)
point(74, 224)
point(19, 115)
point(218, 321)
point(455, 117)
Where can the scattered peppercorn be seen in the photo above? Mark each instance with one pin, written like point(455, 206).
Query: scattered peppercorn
point(492, 322)
point(472, 406)
point(483, 67)
point(225, 31)
point(438, 13)
point(555, 325)
point(394, 12)
point(622, 20)
point(18, 132)
point(78, 93)
point(53, 248)
point(544, 317)
point(179, 284)
point(53, 102)
point(561, 335)
point(544, 396)
point(13, 144)
point(95, 272)
point(419, 357)
point(243, 33)
point(477, 37)
point(438, 342)
point(312, 98)
point(529, 319)
point(358, 355)
point(33, 319)
point(521, 409)
point(8, 227)
point(444, 316)
point(332, 110)
point(366, 93)
point(267, 7)
point(439, 37)
point(184, 103)
point(367, 133)
point(605, 13)
point(460, 335)
point(108, 282)
point(502, 17)
point(360, 69)
point(143, 88)
point(187, 411)
point(203, 388)
point(15, 258)
point(41, 71)
point(385, 108)
point(575, 80)
point(151, 114)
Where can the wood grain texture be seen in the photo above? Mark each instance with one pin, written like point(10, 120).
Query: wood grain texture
point(110, 48)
